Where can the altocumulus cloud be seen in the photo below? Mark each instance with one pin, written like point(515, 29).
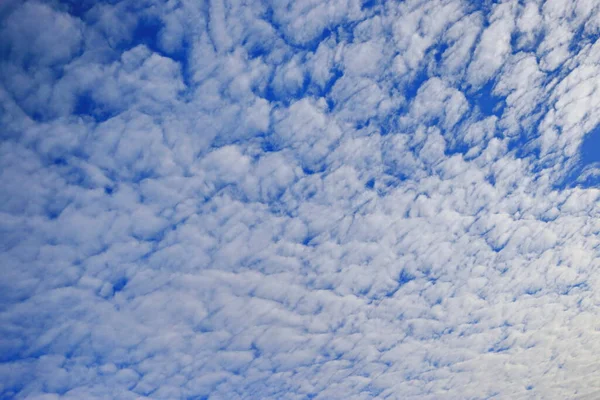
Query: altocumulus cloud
point(345, 199)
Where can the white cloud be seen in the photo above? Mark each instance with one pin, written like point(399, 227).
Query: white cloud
point(462, 37)
point(435, 101)
point(306, 128)
point(27, 43)
point(494, 45)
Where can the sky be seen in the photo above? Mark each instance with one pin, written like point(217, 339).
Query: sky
point(299, 199)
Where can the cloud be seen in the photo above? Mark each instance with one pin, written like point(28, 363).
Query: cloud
point(494, 45)
point(353, 200)
point(26, 40)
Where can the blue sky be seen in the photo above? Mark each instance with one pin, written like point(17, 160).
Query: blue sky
point(299, 199)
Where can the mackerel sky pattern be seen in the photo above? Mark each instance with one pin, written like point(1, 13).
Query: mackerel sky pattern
point(344, 199)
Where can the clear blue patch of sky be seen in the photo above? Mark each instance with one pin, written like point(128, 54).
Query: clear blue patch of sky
point(590, 148)
point(589, 155)
point(485, 100)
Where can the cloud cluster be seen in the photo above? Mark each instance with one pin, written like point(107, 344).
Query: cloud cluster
point(286, 200)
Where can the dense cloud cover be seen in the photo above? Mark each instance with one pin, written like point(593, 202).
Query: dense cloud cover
point(339, 199)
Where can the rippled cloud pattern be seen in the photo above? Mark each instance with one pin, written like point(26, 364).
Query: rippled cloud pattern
point(344, 199)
